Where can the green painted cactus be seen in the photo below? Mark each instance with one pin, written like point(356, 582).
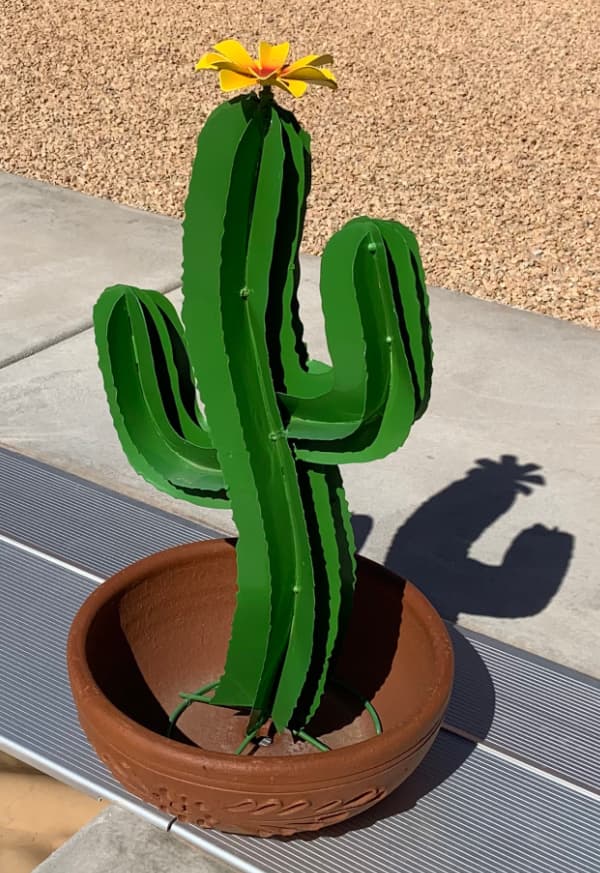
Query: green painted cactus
point(276, 423)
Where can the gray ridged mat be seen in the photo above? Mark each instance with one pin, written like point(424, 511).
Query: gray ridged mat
point(512, 784)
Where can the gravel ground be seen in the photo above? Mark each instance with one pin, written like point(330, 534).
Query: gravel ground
point(475, 123)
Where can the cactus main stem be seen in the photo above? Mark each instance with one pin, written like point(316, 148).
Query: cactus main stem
point(232, 234)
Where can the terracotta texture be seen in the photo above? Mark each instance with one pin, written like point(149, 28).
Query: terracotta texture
point(162, 626)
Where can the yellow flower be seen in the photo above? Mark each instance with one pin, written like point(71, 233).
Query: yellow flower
point(238, 70)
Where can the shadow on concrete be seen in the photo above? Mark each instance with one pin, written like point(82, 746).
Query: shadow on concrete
point(432, 546)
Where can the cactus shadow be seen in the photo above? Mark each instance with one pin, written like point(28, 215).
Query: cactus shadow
point(432, 547)
point(362, 525)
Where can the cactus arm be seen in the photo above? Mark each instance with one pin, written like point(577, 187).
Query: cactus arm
point(356, 392)
point(371, 274)
point(410, 275)
point(167, 379)
point(166, 330)
point(136, 400)
point(229, 233)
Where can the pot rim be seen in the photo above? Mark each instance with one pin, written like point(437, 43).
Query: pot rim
point(366, 754)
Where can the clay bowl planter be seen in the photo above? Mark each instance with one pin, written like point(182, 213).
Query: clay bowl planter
point(162, 626)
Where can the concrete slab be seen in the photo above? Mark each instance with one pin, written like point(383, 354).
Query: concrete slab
point(60, 249)
point(511, 390)
point(118, 841)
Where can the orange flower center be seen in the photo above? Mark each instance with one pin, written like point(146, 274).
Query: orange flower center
point(264, 72)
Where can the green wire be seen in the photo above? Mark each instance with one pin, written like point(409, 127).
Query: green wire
point(247, 739)
point(322, 747)
point(199, 697)
point(366, 703)
point(187, 699)
point(375, 716)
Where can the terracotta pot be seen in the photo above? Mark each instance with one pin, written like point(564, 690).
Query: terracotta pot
point(162, 626)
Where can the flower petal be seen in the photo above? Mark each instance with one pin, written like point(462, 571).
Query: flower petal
point(230, 80)
point(283, 85)
point(297, 89)
point(310, 60)
point(235, 52)
point(207, 60)
point(272, 57)
point(311, 74)
point(223, 64)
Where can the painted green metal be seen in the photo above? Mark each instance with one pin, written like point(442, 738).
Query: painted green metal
point(277, 423)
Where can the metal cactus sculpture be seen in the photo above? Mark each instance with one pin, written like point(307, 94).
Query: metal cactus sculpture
point(276, 423)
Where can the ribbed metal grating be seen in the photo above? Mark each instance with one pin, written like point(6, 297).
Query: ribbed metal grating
point(38, 721)
point(463, 811)
point(517, 702)
point(84, 524)
point(467, 808)
point(529, 707)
